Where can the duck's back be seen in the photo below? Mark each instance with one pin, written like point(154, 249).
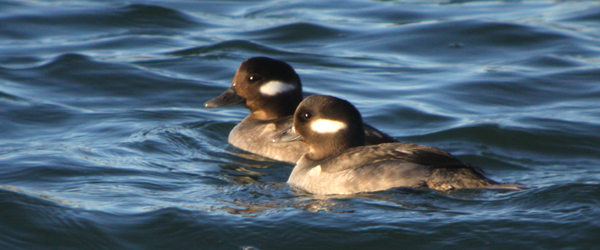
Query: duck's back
point(373, 136)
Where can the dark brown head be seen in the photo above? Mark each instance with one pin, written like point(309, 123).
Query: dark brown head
point(328, 125)
point(269, 88)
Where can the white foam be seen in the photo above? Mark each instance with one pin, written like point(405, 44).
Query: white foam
point(275, 87)
point(327, 126)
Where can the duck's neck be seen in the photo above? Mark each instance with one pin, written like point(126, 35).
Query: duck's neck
point(327, 148)
point(274, 108)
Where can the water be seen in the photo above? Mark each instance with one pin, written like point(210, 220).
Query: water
point(105, 143)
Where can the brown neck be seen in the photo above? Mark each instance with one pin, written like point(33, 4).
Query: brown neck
point(273, 109)
point(327, 148)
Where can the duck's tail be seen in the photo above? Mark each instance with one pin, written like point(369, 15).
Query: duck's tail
point(449, 178)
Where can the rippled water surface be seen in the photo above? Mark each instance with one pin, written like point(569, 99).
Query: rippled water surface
point(105, 144)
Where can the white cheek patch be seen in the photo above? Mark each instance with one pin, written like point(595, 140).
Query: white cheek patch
point(275, 87)
point(327, 126)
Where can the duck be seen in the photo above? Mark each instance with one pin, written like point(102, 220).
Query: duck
point(338, 161)
point(271, 89)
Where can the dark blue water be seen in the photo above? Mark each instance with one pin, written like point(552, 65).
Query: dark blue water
point(105, 144)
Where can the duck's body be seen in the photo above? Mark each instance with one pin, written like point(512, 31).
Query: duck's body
point(381, 167)
point(338, 162)
point(271, 90)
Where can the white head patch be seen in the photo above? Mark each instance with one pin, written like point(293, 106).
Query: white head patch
point(275, 87)
point(327, 126)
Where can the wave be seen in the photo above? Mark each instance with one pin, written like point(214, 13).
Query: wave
point(226, 47)
point(52, 21)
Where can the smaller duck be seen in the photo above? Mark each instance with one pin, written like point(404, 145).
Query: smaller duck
point(338, 162)
point(271, 90)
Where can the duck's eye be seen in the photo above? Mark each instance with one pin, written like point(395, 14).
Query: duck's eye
point(253, 78)
point(306, 116)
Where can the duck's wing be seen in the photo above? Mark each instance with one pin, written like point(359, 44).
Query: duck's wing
point(421, 166)
point(406, 152)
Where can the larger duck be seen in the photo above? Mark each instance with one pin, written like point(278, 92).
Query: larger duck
point(271, 90)
point(339, 162)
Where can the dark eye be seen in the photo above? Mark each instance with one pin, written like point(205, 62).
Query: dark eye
point(306, 116)
point(253, 78)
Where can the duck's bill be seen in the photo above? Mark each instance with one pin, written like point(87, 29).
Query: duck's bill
point(228, 98)
point(287, 135)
